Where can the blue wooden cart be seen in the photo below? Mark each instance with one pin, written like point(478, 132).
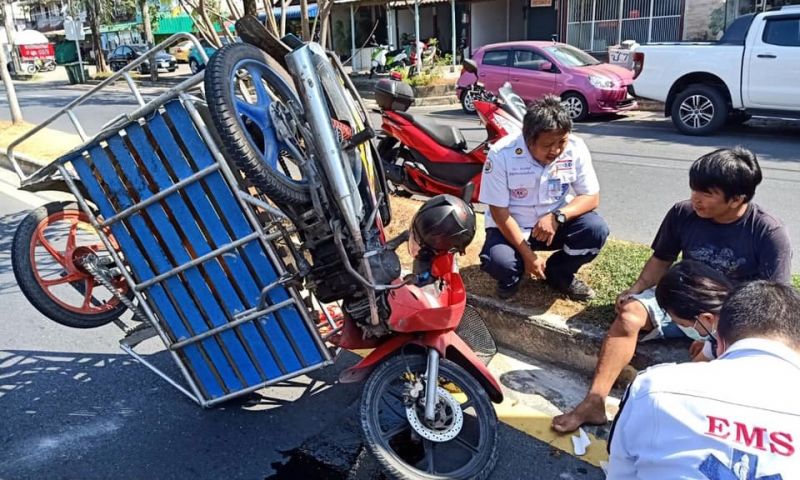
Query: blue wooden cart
point(198, 250)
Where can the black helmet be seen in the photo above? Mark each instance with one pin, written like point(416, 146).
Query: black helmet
point(444, 223)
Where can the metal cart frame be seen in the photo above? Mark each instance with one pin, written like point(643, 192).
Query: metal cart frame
point(75, 168)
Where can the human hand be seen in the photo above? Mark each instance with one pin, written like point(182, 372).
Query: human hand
point(535, 266)
point(625, 297)
point(545, 229)
point(696, 348)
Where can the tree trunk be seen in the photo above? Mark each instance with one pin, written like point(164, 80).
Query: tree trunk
point(148, 38)
point(209, 24)
point(304, 27)
point(94, 25)
point(250, 8)
point(284, 6)
point(270, 21)
point(326, 24)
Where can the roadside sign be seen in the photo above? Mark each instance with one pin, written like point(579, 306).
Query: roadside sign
point(73, 30)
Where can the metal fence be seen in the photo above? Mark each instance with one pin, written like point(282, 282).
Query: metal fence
point(595, 25)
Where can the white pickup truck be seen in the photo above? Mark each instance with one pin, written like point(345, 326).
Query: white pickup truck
point(753, 70)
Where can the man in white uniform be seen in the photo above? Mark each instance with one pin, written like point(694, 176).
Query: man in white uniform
point(526, 183)
point(734, 418)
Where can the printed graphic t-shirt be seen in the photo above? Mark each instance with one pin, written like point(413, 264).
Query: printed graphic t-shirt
point(755, 247)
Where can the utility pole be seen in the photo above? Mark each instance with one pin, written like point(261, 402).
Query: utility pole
point(13, 104)
point(8, 17)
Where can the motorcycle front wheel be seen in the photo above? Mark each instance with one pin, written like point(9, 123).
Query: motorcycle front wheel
point(461, 443)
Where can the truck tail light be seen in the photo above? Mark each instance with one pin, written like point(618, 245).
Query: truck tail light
point(638, 63)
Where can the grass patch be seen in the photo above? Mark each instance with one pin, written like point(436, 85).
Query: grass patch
point(46, 144)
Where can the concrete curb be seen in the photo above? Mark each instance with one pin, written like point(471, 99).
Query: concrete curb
point(650, 105)
point(571, 343)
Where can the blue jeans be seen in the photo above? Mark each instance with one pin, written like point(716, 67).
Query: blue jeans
point(577, 243)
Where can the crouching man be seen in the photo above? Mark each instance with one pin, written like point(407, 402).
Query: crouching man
point(526, 183)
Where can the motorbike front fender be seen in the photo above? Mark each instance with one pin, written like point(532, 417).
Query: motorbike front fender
point(448, 344)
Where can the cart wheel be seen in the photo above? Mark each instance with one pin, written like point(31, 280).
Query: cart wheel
point(461, 443)
point(247, 90)
point(46, 254)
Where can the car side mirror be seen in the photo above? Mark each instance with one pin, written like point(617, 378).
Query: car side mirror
point(546, 67)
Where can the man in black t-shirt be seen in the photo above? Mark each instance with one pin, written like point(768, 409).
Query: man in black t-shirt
point(718, 226)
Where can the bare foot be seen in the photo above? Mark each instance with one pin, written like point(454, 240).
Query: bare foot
point(592, 411)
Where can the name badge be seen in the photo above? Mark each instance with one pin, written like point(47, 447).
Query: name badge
point(554, 187)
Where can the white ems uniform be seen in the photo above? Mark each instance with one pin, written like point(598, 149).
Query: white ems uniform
point(734, 418)
point(513, 179)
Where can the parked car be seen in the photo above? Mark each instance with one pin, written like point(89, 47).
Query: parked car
point(125, 54)
point(751, 71)
point(196, 62)
point(181, 51)
point(585, 85)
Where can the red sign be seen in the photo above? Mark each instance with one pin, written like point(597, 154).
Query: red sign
point(42, 50)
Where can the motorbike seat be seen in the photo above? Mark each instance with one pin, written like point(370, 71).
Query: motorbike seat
point(445, 135)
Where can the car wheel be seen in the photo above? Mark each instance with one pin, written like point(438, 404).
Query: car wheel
point(194, 66)
point(576, 106)
point(468, 101)
point(699, 110)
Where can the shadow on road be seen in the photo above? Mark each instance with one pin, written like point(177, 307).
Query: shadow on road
point(86, 415)
point(8, 226)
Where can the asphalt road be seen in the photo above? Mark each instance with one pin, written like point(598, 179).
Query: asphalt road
point(75, 407)
point(642, 162)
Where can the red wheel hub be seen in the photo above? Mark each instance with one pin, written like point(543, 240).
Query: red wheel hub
point(69, 258)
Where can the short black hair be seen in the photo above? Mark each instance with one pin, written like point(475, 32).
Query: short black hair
point(545, 115)
point(733, 171)
point(761, 309)
point(690, 288)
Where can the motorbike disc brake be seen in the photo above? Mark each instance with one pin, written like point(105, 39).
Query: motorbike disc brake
point(448, 421)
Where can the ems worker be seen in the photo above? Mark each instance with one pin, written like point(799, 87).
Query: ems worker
point(526, 183)
point(734, 418)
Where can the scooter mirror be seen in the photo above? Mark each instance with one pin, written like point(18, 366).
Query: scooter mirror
point(470, 66)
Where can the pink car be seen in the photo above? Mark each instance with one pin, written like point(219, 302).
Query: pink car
point(534, 69)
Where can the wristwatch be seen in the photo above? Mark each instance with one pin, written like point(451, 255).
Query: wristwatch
point(561, 219)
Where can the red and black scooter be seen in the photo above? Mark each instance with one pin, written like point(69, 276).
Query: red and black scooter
point(427, 158)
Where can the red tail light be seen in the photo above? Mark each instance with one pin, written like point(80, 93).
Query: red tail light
point(638, 63)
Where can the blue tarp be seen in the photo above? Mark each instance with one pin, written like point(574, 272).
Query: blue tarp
point(292, 12)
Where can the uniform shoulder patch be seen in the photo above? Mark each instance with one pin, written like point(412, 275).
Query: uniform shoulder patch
point(487, 167)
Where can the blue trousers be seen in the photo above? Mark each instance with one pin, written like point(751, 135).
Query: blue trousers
point(577, 242)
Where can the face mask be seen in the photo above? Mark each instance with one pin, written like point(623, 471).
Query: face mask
point(691, 332)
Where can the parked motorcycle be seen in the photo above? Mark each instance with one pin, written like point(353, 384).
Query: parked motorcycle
point(274, 186)
point(426, 158)
point(476, 91)
point(385, 59)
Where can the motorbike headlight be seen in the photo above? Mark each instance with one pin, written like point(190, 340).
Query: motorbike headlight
point(598, 81)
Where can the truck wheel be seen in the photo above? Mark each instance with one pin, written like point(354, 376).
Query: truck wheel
point(699, 110)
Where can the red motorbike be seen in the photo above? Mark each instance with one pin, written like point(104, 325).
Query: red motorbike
point(427, 158)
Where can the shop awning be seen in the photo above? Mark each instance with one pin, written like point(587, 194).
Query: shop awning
point(171, 25)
